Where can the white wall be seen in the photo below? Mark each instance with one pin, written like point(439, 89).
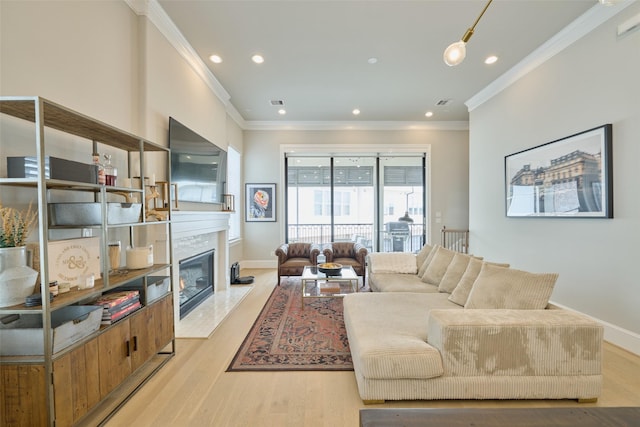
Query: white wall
point(448, 175)
point(593, 82)
point(82, 55)
point(103, 60)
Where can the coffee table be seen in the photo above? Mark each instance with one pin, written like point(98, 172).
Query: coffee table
point(318, 285)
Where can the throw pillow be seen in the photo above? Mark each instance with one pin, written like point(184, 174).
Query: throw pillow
point(461, 293)
point(507, 288)
point(423, 254)
point(427, 261)
point(438, 266)
point(454, 273)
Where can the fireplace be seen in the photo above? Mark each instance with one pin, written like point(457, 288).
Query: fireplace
point(196, 281)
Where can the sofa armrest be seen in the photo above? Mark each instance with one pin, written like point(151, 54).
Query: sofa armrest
point(314, 251)
point(282, 253)
point(360, 253)
point(516, 342)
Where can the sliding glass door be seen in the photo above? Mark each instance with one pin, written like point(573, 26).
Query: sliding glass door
point(359, 198)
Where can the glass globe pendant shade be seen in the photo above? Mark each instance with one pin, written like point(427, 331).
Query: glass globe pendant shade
point(455, 53)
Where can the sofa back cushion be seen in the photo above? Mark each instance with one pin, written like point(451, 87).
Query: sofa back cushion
point(508, 288)
point(343, 250)
point(461, 292)
point(423, 267)
point(299, 250)
point(454, 272)
point(422, 255)
point(438, 266)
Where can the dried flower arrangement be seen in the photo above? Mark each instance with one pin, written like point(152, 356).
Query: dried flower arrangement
point(16, 226)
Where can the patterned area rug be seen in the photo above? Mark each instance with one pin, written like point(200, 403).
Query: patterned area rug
point(287, 338)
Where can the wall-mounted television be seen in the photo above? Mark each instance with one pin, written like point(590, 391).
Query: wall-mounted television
point(198, 166)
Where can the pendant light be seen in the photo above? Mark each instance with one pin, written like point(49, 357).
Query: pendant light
point(456, 52)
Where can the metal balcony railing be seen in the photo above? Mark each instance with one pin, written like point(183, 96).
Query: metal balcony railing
point(390, 240)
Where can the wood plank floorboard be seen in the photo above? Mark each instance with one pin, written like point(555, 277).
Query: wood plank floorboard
point(193, 389)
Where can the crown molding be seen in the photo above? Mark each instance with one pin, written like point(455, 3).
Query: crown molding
point(158, 17)
point(580, 27)
point(355, 125)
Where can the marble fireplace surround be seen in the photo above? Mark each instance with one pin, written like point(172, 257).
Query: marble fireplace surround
point(194, 232)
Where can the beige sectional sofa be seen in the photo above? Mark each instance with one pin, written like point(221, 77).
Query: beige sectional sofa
point(414, 338)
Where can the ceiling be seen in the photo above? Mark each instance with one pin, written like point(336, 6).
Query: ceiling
point(317, 53)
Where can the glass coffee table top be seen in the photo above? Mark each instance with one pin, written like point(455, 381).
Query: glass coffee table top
point(318, 285)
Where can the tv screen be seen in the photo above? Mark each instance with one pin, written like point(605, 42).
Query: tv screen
point(198, 166)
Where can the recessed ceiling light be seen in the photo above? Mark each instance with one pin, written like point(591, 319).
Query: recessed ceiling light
point(215, 59)
point(491, 60)
point(258, 59)
point(372, 60)
point(282, 111)
point(428, 114)
point(356, 111)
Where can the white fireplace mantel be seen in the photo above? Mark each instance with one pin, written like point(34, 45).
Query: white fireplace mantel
point(193, 232)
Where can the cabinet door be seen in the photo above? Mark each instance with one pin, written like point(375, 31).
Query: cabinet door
point(76, 385)
point(115, 357)
point(24, 396)
point(142, 337)
point(163, 321)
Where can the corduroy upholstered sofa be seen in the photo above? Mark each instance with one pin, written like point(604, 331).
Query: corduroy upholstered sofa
point(497, 338)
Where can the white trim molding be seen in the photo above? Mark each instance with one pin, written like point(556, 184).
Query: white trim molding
point(573, 32)
point(158, 17)
point(614, 334)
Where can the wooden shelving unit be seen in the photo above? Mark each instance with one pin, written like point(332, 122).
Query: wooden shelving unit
point(86, 381)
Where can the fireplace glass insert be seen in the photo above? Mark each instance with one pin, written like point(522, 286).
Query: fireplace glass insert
point(196, 280)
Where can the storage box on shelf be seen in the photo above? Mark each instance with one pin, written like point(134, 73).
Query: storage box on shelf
point(58, 363)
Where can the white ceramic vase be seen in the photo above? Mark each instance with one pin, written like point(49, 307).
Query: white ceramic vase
point(17, 280)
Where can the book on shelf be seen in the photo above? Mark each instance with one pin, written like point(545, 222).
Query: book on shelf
point(107, 311)
point(117, 298)
point(119, 315)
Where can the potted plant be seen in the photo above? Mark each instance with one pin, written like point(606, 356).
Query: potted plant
point(16, 278)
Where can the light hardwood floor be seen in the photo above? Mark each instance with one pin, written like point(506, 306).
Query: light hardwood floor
point(193, 389)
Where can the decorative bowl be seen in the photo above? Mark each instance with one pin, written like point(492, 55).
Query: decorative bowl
point(330, 268)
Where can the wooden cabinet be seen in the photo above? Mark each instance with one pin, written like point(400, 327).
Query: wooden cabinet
point(76, 383)
point(76, 387)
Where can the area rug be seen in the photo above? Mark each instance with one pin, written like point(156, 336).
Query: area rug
point(286, 337)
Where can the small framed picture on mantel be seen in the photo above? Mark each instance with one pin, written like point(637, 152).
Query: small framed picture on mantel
point(260, 203)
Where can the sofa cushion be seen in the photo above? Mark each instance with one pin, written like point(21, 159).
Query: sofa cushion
point(394, 282)
point(427, 260)
point(508, 288)
point(422, 255)
point(461, 292)
point(454, 273)
point(438, 266)
point(388, 334)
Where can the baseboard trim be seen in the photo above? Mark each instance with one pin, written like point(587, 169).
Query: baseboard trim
point(614, 334)
point(259, 264)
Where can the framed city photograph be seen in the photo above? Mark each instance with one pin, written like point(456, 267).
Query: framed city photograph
point(260, 205)
point(571, 177)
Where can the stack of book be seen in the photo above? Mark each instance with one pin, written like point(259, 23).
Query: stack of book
point(117, 305)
